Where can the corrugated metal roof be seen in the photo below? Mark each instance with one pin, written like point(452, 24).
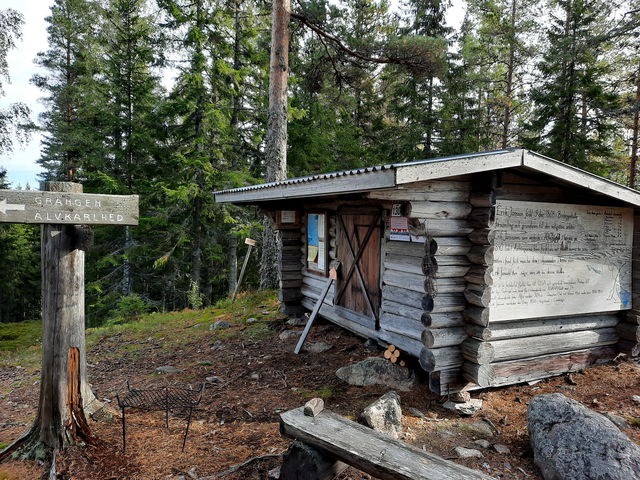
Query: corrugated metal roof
point(357, 171)
point(310, 178)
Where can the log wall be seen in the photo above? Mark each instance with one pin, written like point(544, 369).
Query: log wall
point(629, 327)
point(525, 349)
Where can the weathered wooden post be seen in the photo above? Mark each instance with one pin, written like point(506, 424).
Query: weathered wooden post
point(64, 212)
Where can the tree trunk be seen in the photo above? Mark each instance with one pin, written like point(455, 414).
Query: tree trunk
point(634, 136)
point(64, 391)
point(506, 124)
point(232, 249)
point(276, 138)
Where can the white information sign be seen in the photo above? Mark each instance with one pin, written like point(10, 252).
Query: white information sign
point(555, 259)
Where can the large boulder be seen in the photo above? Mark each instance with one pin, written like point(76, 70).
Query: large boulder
point(384, 415)
point(572, 442)
point(377, 371)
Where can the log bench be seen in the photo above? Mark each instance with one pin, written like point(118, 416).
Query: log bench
point(372, 452)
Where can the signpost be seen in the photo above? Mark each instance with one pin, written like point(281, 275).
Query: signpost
point(63, 211)
point(67, 208)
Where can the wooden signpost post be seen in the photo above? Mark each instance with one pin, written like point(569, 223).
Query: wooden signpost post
point(64, 212)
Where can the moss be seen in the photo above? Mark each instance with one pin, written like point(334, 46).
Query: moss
point(324, 393)
point(18, 336)
point(257, 331)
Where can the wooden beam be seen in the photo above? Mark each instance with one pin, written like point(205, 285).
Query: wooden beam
point(370, 451)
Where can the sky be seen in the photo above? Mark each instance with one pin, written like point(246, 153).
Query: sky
point(21, 163)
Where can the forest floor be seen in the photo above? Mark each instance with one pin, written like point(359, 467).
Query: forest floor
point(260, 377)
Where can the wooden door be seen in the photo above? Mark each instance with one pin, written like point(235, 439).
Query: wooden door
point(359, 238)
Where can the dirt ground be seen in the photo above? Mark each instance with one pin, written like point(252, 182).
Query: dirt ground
point(260, 377)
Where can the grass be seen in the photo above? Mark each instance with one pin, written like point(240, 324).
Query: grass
point(324, 393)
point(20, 343)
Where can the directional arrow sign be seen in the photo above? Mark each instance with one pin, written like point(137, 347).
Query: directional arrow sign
point(4, 206)
point(26, 206)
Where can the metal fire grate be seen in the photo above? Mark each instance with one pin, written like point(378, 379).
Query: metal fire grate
point(159, 399)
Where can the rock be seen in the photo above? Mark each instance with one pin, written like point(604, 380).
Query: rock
point(617, 420)
point(462, 452)
point(384, 415)
point(572, 442)
point(416, 413)
point(252, 320)
point(317, 347)
point(297, 321)
point(302, 461)
point(167, 369)
point(255, 376)
point(274, 473)
point(214, 379)
point(460, 397)
point(483, 443)
point(481, 429)
point(220, 324)
point(377, 371)
point(370, 344)
point(289, 335)
point(313, 407)
point(636, 399)
point(468, 408)
point(501, 449)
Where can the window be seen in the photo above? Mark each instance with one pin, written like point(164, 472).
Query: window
point(316, 242)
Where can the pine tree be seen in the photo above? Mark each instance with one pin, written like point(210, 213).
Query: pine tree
point(570, 120)
point(72, 120)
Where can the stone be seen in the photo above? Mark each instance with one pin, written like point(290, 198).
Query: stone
point(302, 461)
point(274, 473)
point(371, 344)
point(289, 335)
point(467, 408)
point(462, 452)
point(416, 413)
point(572, 442)
point(317, 347)
point(255, 376)
point(481, 429)
point(460, 397)
point(377, 371)
point(214, 379)
point(483, 443)
point(252, 320)
point(636, 399)
point(220, 324)
point(384, 415)
point(167, 369)
point(617, 420)
point(297, 321)
point(501, 449)
point(313, 407)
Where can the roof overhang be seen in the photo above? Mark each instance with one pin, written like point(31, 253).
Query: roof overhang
point(390, 176)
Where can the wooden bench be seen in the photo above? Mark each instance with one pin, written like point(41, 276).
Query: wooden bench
point(368, 450)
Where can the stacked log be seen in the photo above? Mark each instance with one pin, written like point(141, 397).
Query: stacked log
point(506, 352)
point(290, 266)
point(423, 283)
point(629, 327)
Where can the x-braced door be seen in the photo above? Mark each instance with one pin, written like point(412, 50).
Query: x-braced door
point(358, 249)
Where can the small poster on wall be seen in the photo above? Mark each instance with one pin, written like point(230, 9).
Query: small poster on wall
point(398, 225)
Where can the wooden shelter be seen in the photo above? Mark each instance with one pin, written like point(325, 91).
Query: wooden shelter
point(492, 268)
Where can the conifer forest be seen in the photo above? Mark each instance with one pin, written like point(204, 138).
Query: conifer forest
point(169, 99)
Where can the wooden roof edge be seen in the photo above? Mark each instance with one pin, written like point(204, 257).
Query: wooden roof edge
point(576, 176)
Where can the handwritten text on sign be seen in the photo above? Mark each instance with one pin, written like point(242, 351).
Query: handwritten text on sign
point(27, 206)
point(557, 259)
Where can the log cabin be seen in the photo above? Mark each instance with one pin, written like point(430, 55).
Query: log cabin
point(490, 269)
